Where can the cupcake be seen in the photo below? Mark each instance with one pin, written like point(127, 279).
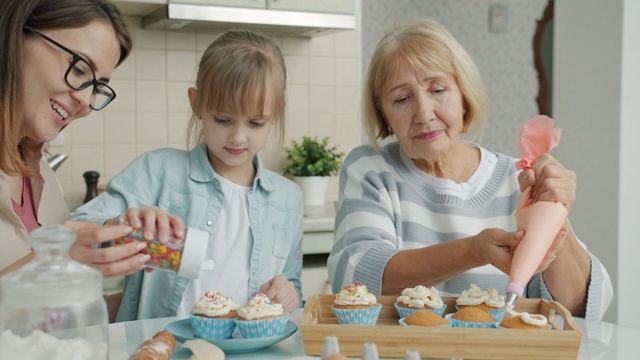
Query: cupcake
point(261, 318)
point(471, 317)
point(212, 316)
point(526, 321)
point(424, 318)
point(489, 301)
point(355, 305)
point(419, 298)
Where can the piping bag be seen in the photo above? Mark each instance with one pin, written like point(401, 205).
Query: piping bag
point(541, 220)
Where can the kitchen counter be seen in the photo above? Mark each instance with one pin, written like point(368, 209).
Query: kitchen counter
point(600, 340)
point(318, 229)
point(319, 218)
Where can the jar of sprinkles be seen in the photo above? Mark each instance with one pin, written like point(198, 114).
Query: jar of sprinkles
point(182, 256)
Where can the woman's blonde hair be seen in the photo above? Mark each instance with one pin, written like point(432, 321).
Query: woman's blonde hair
point(235, 74)
point(15, 15)
point(419, 45)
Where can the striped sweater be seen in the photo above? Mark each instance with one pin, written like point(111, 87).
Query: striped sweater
point(386, 205)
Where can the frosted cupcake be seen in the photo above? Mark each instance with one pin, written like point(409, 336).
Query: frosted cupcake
point(261, 318)
point(526, 321)
point(489, 301)
point(419, 298)
point(355, 305)
point(212, 316)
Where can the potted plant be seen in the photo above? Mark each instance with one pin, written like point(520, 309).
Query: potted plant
point(311, 162)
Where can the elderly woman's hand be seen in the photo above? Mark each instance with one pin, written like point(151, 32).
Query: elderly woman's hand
point(551, 181)
point(496, 247)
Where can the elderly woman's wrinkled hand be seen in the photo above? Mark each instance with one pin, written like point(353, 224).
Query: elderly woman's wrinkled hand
point(551, 181)
point(496, 247)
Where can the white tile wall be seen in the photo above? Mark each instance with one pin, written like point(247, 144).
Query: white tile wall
point(152, 109)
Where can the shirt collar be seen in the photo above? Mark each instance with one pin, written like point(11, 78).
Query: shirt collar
point(202, 171)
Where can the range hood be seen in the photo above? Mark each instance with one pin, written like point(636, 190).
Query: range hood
point(272, 22)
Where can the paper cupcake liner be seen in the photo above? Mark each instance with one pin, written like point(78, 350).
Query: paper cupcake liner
point(251, 329)
point(468, 324)
point(402, 323)
point(404, 312)
point(208, 328)
point(497, 314)
point(365, 316)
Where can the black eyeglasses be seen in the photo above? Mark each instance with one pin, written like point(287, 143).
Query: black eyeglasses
point(80, 75)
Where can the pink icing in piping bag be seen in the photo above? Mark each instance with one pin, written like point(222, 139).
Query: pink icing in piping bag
point(541, 220)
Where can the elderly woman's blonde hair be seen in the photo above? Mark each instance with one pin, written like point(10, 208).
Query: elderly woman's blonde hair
point(421, 45)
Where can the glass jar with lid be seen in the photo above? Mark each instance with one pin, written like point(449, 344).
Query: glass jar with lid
point(53, 306)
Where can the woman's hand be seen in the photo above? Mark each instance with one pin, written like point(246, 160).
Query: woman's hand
point(281, 291)
point(497, 246)
point(153, 218)
point(111, 261)
point(551, 181)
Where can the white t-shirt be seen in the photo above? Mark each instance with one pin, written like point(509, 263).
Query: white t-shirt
point(229, 248)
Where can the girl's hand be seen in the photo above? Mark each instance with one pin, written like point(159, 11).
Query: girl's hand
point(111, 261)
point(551, 181)
point(281, 291)
point(153, 218)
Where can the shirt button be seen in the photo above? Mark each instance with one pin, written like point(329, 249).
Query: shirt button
point(254, 272)
point(254, 222)
point(209, 222)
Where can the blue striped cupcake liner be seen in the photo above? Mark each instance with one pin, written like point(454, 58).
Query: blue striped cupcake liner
point(209, 328)
point(364, 316)
point(251, 329)
point(402, 323)
point(469, 324)
point(404, 312)
point(497, 314)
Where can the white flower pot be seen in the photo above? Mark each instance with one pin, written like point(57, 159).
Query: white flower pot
point(314, 189)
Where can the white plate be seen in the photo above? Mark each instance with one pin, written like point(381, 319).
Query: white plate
point(183, 331)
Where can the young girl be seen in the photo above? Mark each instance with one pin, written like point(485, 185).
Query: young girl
point(253, 216)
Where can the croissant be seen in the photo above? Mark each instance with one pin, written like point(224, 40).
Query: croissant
point(159, 347)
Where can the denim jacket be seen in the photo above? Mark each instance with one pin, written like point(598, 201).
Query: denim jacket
point(184, 184)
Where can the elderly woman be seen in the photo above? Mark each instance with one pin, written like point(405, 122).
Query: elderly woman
point(434, 209)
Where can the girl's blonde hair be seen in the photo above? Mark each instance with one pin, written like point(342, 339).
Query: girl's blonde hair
point(419, 45)
point(235, 74)
point(15, 15)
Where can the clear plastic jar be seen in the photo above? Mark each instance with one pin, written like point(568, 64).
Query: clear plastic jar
point(182, 256)
point(53, 307)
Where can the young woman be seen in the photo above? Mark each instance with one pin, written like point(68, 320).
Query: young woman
point(253, 216)
point(55, 67)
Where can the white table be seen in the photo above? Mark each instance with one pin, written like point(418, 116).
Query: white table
point(601, 340)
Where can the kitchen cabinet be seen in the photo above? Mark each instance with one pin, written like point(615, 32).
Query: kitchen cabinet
point(322, 6)
point(273, 17)
point(259, 4)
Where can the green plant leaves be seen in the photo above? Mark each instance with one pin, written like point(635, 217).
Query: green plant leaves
point(312, 157)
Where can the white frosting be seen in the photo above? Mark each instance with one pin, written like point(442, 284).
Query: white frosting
point(420, 296)
point(214, 304)
point(475, 296)
point(355, 294)
point(260, 306)
point(533, 319)
point(41, 346)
